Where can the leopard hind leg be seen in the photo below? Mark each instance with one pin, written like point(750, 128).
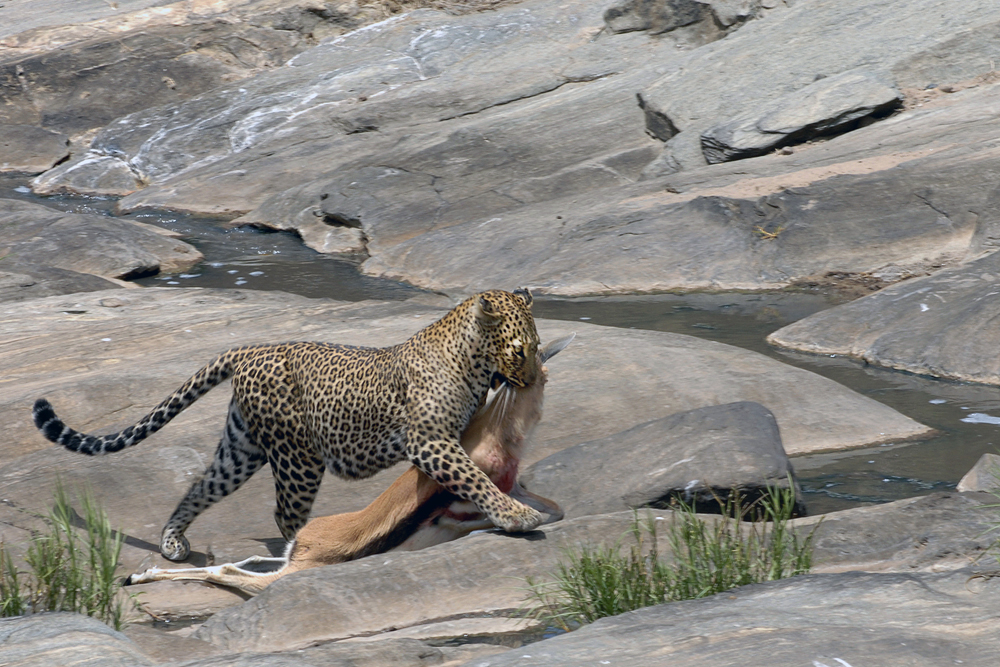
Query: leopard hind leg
point(297, 475)
point(237, 458)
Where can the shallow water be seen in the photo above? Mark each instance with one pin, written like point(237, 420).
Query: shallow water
point(252, 259)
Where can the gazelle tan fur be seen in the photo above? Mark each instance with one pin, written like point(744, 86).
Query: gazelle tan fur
point(414, 512)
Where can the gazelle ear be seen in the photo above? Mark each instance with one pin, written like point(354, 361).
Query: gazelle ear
point(525, 295)
point(486, 310)
point(554, 347)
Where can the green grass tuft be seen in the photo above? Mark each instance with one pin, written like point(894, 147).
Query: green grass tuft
point(709, 555)
point(68, 570)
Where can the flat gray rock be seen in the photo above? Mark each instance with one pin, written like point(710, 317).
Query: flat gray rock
point(381, 653)
point(106, 358)
point(51, 640)
point(30, 149)
point(699, 456)
point(35, 282)
point(934, 533)
point(940, 325)
point(894, 620)
point(35, 238)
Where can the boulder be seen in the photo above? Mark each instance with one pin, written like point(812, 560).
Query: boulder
point(894, 620)
point(31, 149)
point(790, 51)
point(938, 325)
point(829, 106)
point(47, 640)
point(48, 245)
point(95, 173)
point(699, 456)
point(984, 476)
point(106, 358)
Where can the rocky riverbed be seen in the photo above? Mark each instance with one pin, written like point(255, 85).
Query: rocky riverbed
point(576, 147)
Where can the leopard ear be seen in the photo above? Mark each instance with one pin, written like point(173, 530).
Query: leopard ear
point(486, 311)
point(525, 295)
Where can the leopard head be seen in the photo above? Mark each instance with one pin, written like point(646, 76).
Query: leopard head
point(507, 320)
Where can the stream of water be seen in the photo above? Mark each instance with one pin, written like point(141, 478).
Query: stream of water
point(251, 259)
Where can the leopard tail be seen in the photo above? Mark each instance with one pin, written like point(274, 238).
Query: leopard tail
point(55, 430)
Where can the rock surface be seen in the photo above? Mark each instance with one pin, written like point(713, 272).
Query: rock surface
point(895, 199)
point(916, 620)
point(699, 455)
point(106, 358)
point(411, 138)
point(938, 325)
point(31, 149)
point(984, 476)
point(45, 251)
point(86, 65)
point(828, 106)
point(483, 575)
point(65, 639)
point(821, 38)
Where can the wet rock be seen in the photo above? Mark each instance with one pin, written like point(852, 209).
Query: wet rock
point(42, 640)
point(984, 476)
point(30, 149)
point(698, 456)
point(80, 75)
point(93, 174)
point(831, 105)
point(515, 102)
point(890, 619)
point(35, 237)
point(106, 358)
point(936, 325)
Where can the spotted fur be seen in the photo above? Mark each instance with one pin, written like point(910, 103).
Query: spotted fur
point(306, 407)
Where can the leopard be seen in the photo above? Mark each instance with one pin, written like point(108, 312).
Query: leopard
point(308, 407)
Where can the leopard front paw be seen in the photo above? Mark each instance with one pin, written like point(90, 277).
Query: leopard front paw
point(174, 547)
point(519, 519)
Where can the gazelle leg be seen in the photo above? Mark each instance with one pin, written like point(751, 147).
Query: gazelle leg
point(537, 502)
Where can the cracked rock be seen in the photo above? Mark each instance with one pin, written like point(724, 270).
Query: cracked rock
point(829, 106)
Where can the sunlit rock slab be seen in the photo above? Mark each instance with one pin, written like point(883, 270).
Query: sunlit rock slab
point(484, 574)
point(900, 198)
point(895, 620)
point(772, 61)
point(942, 325)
